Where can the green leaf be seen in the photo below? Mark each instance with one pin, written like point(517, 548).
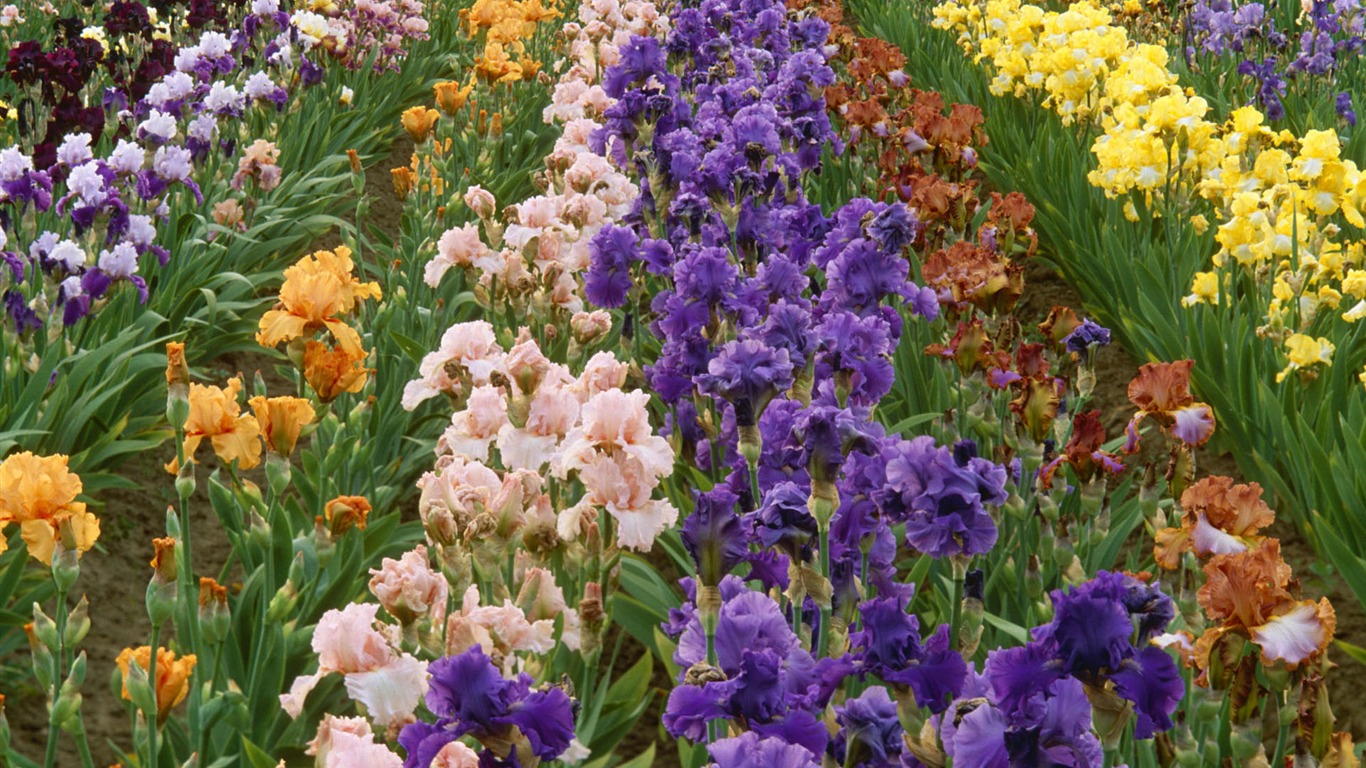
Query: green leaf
point(643, 760)
point(257, 757)
point(1016, 632)
point(1353, 568)
point(1355, 651)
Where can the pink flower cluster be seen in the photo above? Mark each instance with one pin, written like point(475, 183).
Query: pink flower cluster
point(538, 252)
point(535, 413)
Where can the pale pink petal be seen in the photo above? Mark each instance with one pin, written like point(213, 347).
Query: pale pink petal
point(293, 702)
point(351, 751)
point(392, 692)
point(456, 755)
point(638, 528)
point(519, 449)
point(347, 641)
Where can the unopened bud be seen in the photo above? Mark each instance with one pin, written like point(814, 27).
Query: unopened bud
point(177, 385)
point(40, 656)
point(283, 603)
point(66, 557)
point(214, 618)
point(44, 629)
point(77, 623)
point(258, 529)
point(184, 481)
point(68, 704)
point(278, 473)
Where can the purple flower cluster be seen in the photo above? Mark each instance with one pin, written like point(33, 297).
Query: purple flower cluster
point(1099, 636)
point(94, 219)
point(1330, 34)
point(470, 697)
point(1053, 727)
point(776, 325)
point(761, 674)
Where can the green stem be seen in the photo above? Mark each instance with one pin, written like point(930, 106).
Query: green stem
point(956, 610)
point(83, 745)
point(153, 722)
point(1282, 731)
point(50, 753)
point(823, 631)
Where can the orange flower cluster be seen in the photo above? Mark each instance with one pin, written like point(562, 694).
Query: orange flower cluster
point(506, 26)
point(319, 292)
point(215, 414)
point(39, 493)
point(1249, 595)
point(970, 274)
point(1253, 597)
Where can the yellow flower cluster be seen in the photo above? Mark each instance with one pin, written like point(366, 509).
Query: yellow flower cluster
point(507, 25)
point(1280, 200)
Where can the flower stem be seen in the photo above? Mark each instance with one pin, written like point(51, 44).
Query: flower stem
point(823, 632)
point(50, 754)
point(153, 749)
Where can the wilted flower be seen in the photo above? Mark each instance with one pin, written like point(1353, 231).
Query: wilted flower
point(1083, 452)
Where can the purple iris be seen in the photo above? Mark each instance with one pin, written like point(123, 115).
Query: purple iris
point(941, 501)
point(609, 272)
point(1097, 632)
point(471, 697)
point(889, 646)
point(784, 520)
point(1054, 728)
point(1087, 336)
point(713, 535)
point(870, 733)
point(749, 374)
point(749, 750)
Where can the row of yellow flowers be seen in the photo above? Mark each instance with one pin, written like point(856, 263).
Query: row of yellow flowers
point(1285, 205)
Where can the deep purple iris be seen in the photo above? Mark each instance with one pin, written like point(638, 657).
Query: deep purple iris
point(471, 697)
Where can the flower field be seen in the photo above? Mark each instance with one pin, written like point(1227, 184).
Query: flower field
point(735, 383)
